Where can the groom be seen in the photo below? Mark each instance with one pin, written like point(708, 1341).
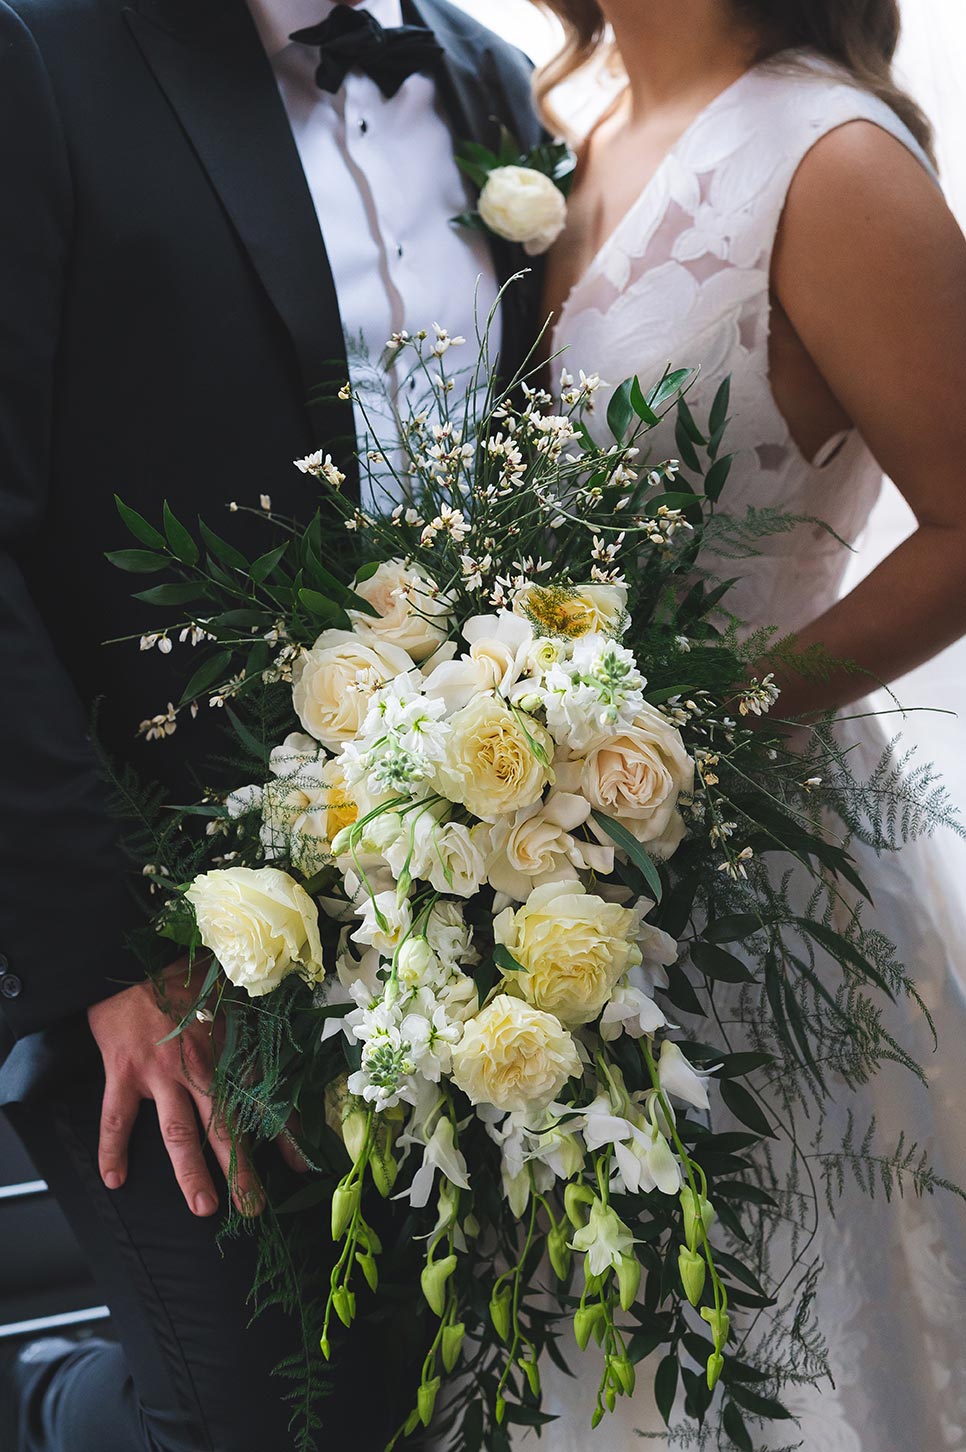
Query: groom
point(197, 210)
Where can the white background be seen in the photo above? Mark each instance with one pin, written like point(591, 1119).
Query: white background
point(933, 66)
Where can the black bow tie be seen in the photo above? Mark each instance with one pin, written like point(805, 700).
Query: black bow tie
point(351, 39)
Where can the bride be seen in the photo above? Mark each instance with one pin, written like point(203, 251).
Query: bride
point(761, 201)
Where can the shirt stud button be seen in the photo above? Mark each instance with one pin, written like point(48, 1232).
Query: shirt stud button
point(10, 985)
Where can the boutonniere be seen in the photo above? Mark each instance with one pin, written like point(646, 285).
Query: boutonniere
point(523, 196)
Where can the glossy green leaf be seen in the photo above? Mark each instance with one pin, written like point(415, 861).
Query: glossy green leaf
point(171, 594)
point(139, 526)
point(745, 1107)
point(628, 843)
point(180, 542)
point(715, 963)
point(137, 562)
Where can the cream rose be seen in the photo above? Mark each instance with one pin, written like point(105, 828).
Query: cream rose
point(499, 650)
point(260, 925)
point(573, 611)
point(574, 946)
point(496, 761)
point(514, 1057)
point(412, 612)
point(537, 846)
point(637, 776)
point(333, 682)
point(523, 205)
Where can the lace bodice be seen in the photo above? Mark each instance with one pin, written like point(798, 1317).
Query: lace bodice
point(684, 279)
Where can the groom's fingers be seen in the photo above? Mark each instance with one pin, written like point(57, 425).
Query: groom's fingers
point(119, 1110)
point(240, 1176)
point(179, 1130)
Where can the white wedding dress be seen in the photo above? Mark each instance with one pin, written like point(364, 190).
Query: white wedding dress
point(684, 280)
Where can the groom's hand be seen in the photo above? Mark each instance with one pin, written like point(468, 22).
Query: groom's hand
point(129, 1028)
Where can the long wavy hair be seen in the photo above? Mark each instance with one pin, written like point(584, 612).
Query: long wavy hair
point(861, 36)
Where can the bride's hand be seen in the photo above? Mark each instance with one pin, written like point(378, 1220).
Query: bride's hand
point(129, 1029)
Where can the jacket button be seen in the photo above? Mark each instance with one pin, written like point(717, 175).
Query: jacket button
point(10, 985)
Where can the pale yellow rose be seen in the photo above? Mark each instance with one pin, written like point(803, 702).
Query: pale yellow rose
point(573, 611)
point(514, 1056)
point(333, 682)
point(412, 612)
point(496, 760)
point(574, 946)
point(523, 205)
point(637, 777)
point(260, 924)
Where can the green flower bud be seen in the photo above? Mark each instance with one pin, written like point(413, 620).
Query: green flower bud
point(532, 1373)
point(715, 1368)
point(326, 1347)
point(452, 1344)
point(500, 1310)
point(720, 1323)
point(433, 1280)
point(625, 1373)
point(383, 1167)
point(559, 1251)
point(369, 1269)
point(585, 1323)
point(471, 1227)
point(426, 1400)
point(693, 1272)
point(345, 1202)
point(500, 1410)
point(699, 1215)
point(574, 1197)
point(610, 1398)
point(344, 1304)
point(628, 1280)
point(412, 1422)
point(597, 1418)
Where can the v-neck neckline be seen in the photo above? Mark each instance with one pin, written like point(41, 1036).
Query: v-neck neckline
point(646, 191)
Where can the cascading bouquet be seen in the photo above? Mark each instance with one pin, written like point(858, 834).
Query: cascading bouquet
point(500, 828)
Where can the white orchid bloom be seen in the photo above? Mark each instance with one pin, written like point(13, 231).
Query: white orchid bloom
point(497, 656)
point(681, 1079)
point(439, 1154)
point(630, 1012)
point(605, 1239)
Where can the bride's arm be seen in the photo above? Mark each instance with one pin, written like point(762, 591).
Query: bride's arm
point(870, 269)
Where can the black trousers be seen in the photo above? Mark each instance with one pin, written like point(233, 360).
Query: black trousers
point(190, 1374)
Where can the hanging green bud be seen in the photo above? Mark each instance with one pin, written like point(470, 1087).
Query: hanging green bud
point(433, 1280)
point(693, 1272)
point(532, 1373)
point(382, 1164)
point(471, 1227)
point(369, 1269)
point(344, 1304)
point(699, 1217)
point(500, 1312)
point(426, 1400)
point(628, 1280)
point(575, 1197)
point(624, 1371)
point(715, 1368)
point(720, 1323)
point(345, 1203)
point(326, 1347)
point(500, 1411)
point(412, 1422)
point(452, 1344)
point(559, 1252)
point(597, 1418)
point(585, 1323)
point(610, 1397)
point(355, 1128)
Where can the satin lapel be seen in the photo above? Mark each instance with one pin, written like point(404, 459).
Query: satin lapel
point(208, 60)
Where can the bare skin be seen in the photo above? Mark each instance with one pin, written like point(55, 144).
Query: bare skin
point(129, 1028)
point(869, 325)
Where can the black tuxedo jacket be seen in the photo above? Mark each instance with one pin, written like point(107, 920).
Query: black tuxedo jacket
point(166, 310)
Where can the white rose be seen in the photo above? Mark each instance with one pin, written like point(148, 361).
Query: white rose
point(573, 611)
point(523, 205)
point(495, 761)
point(334, 681)
point(260, 925)
point(574, 946)
point(499, 649)
point(537, 846)
point(412, 612)
point(514, 1056)
point(636, 776)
